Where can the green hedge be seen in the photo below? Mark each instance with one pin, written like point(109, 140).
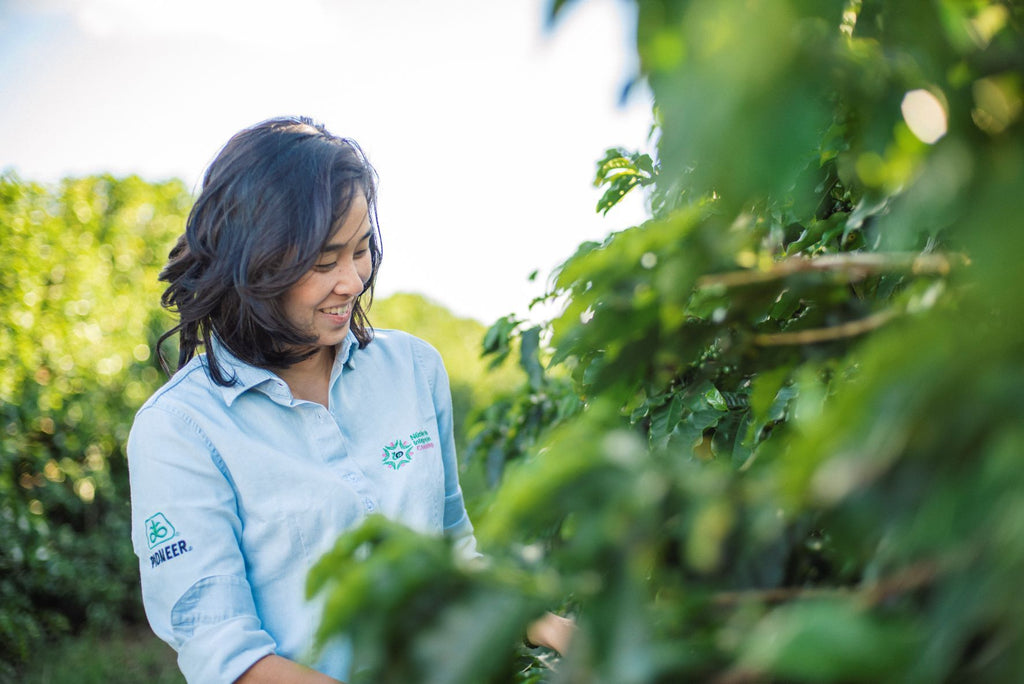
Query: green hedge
point(79, 297)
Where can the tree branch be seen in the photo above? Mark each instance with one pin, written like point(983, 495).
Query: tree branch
point(913, 576)
point(855, 265)
point(906, 579)
point(830, 334)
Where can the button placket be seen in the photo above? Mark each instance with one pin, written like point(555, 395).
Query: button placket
point(343, 464)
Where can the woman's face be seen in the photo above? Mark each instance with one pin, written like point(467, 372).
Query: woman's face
point(321, 302)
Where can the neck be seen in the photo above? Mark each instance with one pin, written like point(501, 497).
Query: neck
point(310, 378)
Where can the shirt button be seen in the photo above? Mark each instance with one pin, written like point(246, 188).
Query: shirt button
point(369, 504)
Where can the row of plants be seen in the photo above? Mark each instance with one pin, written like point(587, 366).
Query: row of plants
point(77, 287)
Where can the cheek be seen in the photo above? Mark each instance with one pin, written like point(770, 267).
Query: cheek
point(303, 297)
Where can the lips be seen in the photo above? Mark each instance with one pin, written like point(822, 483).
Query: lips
point(343, 310)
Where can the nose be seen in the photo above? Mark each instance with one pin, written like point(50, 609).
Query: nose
point(349, 283)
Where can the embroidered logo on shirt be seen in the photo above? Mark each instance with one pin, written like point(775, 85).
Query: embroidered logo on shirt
point(159, 530)
point(160, 533)
point(397, 454)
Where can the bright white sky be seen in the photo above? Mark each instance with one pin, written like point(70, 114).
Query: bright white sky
point(483, 125)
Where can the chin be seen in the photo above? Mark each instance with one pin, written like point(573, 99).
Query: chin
point(333, 338)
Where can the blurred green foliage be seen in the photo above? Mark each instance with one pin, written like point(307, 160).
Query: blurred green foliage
point(123, 656)
point(78, 295)
point(775, 433)
point(415, 601)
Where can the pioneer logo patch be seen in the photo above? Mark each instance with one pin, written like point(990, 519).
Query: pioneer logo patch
point(163, 540)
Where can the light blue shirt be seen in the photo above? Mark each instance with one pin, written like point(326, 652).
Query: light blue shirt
point(237, 491)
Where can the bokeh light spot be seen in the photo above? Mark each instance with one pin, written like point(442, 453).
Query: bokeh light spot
point(925, 115)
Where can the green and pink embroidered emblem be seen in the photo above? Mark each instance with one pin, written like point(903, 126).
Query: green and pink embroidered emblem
point(397, 454)
point(400, 452)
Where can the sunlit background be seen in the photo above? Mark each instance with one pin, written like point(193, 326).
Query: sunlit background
point(483, 122)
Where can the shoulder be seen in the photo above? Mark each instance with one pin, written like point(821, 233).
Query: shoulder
point(188, 391)
point(394, 355)
point(392, 343)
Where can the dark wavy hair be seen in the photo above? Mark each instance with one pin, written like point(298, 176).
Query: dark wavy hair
point(268, 204)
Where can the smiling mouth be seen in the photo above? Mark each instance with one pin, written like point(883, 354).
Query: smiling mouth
point(338, 310)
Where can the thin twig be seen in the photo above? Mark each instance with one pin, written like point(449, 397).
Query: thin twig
point(728, 599)
point(912, 577)
point(830, 334)
point(906, 579)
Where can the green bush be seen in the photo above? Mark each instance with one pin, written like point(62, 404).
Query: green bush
point(126, 656)
point(79, 293)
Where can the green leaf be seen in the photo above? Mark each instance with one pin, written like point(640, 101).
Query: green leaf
point(529, 359)
point(665, 419)
point(715, 399)
point(821, 641)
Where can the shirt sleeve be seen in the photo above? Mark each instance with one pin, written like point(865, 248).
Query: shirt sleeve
point(456, 521)
point(186, 532)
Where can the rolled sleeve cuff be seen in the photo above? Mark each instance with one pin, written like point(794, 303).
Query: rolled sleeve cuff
point(222, 653)
point(219, 633)
point(461, 530)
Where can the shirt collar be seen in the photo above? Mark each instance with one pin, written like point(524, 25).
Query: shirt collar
point(345, 349)
point(248, 376)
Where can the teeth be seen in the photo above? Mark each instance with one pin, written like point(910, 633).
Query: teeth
point(337, 310)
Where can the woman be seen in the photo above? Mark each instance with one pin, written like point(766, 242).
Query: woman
point(295, 423)
point(249, 462)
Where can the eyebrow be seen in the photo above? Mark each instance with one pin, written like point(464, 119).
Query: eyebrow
point(337, 247)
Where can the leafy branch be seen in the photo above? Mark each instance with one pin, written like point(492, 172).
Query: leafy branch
point(622, 171)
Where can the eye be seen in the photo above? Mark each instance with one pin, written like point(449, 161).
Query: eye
point(323, 268)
